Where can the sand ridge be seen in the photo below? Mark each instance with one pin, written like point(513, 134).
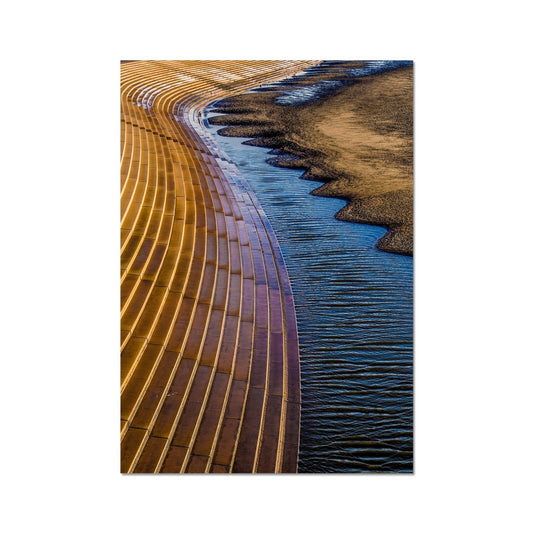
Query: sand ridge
point(358, 140)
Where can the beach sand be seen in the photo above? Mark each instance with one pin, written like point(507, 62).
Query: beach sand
point(358, 140)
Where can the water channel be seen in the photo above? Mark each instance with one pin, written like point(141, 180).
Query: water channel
point(354, 305)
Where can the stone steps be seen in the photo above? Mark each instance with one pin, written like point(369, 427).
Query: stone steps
point(210, 369)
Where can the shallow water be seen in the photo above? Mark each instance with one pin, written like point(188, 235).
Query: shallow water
point(354, 305)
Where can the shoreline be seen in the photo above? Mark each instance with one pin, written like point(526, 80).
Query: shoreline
point(348, 296)
point(356, 140)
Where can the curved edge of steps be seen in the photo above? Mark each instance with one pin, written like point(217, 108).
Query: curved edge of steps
point(210, 361)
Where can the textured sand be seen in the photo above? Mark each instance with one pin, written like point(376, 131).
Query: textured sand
point(358, 140)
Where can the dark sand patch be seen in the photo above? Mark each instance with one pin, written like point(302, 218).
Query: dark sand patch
point(358, 140)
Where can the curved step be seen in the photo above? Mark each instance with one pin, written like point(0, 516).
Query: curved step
point(210, 370)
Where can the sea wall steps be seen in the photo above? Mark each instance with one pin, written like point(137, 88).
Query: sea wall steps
point(209, 363)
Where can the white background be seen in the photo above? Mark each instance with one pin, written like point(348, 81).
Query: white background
point(59, 267)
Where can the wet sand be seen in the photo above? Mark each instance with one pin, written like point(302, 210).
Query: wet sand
point(358, 140)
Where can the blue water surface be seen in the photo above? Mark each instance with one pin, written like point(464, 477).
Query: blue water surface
point(354, 305)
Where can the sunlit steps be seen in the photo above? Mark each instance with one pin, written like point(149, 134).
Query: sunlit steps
point(210, 375)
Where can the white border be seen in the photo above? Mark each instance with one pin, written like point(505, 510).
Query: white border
point(473, 289)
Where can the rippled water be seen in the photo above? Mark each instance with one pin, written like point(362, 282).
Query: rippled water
point(354, 306)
